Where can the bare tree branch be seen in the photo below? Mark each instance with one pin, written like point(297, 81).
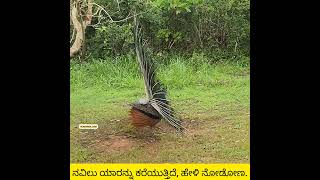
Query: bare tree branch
point(102, 9)
point(81, 19)
point(101, 17)
point(118, 5)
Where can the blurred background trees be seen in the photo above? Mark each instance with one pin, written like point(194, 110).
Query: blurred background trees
point(101, 28)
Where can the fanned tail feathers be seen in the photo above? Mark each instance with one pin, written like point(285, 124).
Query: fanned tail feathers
point(155, 92)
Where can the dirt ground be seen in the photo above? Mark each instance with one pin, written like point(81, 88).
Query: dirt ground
point(154, 143)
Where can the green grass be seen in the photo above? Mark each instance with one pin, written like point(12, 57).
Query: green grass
point(212, 99)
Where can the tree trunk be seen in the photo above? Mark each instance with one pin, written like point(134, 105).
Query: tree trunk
point(80, 25)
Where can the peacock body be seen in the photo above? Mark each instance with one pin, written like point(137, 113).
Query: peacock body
point(155, 106)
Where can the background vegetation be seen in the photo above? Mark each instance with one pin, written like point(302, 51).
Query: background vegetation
point(214, 27)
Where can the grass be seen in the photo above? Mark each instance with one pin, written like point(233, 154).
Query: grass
point(212, 99)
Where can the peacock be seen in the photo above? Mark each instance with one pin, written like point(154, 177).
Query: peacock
point(155, 106)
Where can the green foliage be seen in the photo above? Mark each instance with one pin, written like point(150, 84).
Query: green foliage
point(112, 39)
point(165, 34)
point(174, 26)
point(177, 6)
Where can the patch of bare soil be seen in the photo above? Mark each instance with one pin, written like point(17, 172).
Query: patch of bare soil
point(101, 142)
point(113, 143)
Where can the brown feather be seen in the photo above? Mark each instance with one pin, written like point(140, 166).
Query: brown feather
point(140, 119)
